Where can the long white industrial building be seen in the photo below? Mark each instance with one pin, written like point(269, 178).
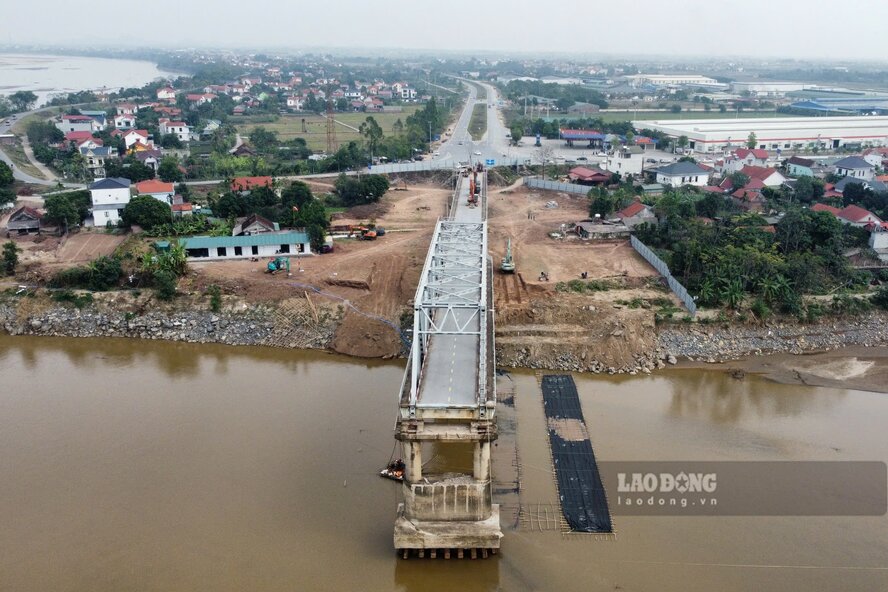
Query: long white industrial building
point(773, 133)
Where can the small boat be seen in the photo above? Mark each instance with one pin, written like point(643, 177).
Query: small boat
point(394, 470)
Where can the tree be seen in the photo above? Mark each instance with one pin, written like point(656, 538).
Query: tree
point(22, 100)
point(229, 205)
point(371, 131)
point(564, 103)
point(675, 108)
point(738, 179)
point(297, 194)
point(10, 257)
point(67, 208)
point(264, 140)
point(682, 142)
point(316, 237)
point(165, 283)
point(751, 141)
point(170, 141)
point(517, 132)
point(169, 170)
point(6, 176)
point(147, 212)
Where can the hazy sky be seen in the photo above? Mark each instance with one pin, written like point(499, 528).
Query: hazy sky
point(779, 28)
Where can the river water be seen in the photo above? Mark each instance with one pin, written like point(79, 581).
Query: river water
point(133, 465)
point(47, 75)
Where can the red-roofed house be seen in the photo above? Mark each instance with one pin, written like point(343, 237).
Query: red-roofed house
point(857, 216)
point(167, 93)
point(180, 129)
point(749, 200)
point(126, 108)
point(745, 157)
point(636, 213)
point(820, 207)
point(587, 176)
point(157, 189)
point(240, 184)
point(200, 99)
point(770, 177)
point(133, 137)
point(124, 121)
point(77, 137)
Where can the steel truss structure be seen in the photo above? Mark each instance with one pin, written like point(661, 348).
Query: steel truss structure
point(451, 299)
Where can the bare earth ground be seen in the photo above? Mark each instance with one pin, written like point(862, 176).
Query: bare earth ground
point(377, 277)
point(536, 325)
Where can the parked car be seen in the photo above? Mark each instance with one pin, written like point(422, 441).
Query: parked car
point(654, 160)
point(582, 159)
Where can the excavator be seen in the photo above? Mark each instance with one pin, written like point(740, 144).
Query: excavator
point(507, 265)
point(279, 264)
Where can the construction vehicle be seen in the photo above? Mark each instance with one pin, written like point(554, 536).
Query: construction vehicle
point(507, 265)
point(364, 232)
point(279, 264)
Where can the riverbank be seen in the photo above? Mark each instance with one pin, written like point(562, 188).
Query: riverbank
point(300, 323)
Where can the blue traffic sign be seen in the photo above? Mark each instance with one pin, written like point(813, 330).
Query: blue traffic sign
point(490, 162)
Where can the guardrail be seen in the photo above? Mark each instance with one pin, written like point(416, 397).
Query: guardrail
point(538, 183)
point(661, 266)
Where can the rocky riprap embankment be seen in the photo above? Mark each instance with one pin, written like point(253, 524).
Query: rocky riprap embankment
point(252, 326)
point(712, 343)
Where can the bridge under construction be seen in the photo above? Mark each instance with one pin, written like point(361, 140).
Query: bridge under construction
point(448, 395)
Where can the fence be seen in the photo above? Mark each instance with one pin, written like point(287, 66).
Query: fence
point(538, 183)
point(660, 266)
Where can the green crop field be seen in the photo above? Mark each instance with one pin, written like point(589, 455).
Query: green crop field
point(290, 126)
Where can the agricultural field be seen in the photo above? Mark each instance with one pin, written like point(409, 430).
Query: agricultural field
point(289, 127)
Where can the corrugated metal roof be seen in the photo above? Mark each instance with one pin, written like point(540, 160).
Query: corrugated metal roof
point(264, 239)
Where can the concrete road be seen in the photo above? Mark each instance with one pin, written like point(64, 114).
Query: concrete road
point(5, 128)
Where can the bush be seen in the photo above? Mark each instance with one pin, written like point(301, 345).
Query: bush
point(69, 297)
point(760, 309)
point(147, 212)
point(102, 274)
point(215, 297)
point(165, 283)
point(880, 298)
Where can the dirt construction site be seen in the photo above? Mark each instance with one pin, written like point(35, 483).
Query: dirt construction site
point(373, 282)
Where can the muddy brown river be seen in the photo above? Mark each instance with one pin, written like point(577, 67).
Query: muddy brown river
point(132, 465)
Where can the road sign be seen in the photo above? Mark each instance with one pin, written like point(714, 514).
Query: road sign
point(490, 162)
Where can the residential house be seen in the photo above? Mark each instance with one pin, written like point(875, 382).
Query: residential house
point(295, 102)
point(628, 160)
point(246, 184)
point(796, 166)
point(180, 129)
point(210, 128)
point(851, 215)
point(589, 176)
point(197, 100)
point(95, 156)
point(167, 93)
point(181, 207)
point(126, 108)
point(254, 224)
point(24, 220)
point(157, 189)
point(133, 137)
point(854, 166)
point(743, 157)
point(749, 200)
point(78, 138)
point(876, 156)
point(768, 176)
point(150, 157)
point(100, 117)
point(636, 213)
point(78, 123)
point(681, 173)
point(124, 121)
point(872, 184)
point(267, 244)
point(109, 197)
